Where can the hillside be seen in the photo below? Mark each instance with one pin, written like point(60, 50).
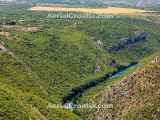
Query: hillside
point(126, 3)
point(61, 56)
point(18, 105)
point(14, 1)
point(136, 96)
point(43, 59)
point(89, 3)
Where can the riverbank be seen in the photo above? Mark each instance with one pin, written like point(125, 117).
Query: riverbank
point(77, 92)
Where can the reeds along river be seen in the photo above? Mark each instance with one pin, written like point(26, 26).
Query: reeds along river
point(76, 92)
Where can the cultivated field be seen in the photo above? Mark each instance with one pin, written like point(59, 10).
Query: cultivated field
point(108, 10)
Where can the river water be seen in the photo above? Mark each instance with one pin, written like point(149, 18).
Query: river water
point(76, 93)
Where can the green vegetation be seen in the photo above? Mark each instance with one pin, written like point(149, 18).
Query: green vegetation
point(17, 105)
point(134, 97)
point(60, 56)
point(41, 66)
point(144, 87)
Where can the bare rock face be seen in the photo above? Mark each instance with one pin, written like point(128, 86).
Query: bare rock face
point(98, 68)
point(135, 97)
point(156, 60)
point(99, 44)
point(113, 63)
point(2, 48)
point(125, 42)
point(7, 22)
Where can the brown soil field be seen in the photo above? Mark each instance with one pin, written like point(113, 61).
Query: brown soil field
point(108, 10)
point(29, 29)
point(19, 28)
point(6, 34)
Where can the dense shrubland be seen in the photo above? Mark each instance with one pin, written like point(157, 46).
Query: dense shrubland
point(45, 65)
point(135, 96)
point(60, 56)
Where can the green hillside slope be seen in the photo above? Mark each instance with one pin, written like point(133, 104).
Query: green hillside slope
point(136, 96)
point(17, 105)
point(56, 58)
point(42, 59)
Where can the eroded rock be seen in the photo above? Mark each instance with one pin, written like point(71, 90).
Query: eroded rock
point(125, 42)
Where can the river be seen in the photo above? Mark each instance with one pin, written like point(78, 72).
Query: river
point(76, 93)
